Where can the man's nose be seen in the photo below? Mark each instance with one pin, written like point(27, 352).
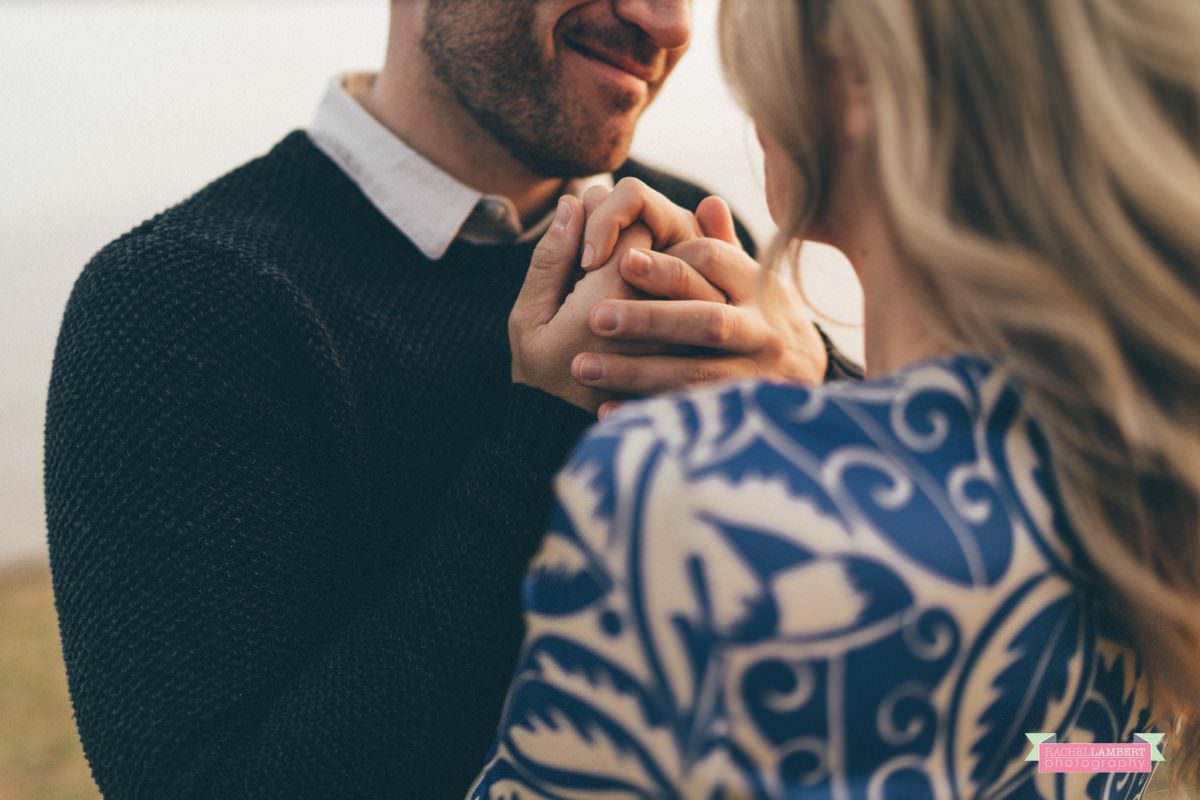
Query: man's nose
point(668, 23)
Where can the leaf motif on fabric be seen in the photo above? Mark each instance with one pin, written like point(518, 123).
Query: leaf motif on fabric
point(570, 744)
point(1037, 674)
point(562, 578)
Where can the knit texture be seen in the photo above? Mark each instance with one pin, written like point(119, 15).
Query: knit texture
point(291, 494)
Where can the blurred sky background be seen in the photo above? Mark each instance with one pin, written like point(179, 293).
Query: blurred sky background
point(114, 110)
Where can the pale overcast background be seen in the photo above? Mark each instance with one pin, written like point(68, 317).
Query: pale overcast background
point(111, 111)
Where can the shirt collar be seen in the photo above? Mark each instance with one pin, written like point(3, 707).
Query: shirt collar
point(427, 204)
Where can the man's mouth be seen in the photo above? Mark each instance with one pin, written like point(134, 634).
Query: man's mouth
point(615, 59)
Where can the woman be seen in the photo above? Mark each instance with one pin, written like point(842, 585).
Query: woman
point(877, 589)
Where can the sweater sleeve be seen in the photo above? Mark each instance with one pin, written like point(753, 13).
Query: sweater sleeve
point(198, 525)
point(838, 366)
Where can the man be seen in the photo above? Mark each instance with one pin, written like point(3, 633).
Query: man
point(291, 485)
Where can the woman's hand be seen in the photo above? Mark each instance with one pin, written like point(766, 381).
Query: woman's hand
point(740, 341)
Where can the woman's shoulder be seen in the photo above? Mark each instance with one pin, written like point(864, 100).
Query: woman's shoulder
point(914, 409)
point(938, 460)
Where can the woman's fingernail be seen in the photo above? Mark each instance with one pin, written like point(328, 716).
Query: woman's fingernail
point(589, 253)
point(590, 368)
point(607, 319)
point(562, 217)
point(608, 409)
point(639, 263)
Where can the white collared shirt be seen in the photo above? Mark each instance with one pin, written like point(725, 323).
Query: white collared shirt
point(427, 205)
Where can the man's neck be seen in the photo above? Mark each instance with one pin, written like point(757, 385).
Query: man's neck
point(410, 103)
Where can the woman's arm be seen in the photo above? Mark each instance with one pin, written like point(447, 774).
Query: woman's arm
point(651, 624)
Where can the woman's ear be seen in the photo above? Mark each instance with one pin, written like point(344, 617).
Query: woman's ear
point(844, 85)
point(857, 110)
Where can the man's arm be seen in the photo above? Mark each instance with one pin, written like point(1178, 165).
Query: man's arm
point(203, 527)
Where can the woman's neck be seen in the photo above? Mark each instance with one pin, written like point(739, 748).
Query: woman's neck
point(897, 329)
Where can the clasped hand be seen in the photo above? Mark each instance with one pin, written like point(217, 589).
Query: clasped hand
point(669, 300)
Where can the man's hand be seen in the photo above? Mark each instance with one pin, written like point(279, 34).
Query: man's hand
point(546, 329)
point(632, 201)
point(740, 341)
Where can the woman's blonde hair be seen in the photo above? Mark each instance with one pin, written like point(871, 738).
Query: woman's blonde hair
point(1039, 161)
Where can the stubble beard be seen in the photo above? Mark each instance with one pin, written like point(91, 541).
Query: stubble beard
point(500, 76)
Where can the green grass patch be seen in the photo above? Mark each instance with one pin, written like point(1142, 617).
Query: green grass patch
point(40, 755)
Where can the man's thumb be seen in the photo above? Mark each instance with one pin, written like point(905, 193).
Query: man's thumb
point(554, 260)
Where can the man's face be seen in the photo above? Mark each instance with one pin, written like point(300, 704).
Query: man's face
point(559, 83)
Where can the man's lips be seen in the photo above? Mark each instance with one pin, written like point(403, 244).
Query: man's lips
point(615, 59)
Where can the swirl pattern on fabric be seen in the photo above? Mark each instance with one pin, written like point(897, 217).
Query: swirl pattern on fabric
point(860, 591)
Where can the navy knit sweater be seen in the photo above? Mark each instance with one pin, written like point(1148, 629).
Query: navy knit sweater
point(291, 494)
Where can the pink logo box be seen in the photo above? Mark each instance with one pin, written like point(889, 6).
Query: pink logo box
point(1135, 756)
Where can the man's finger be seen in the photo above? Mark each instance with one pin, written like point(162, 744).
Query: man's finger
point(630, 201)
point(726, 266)
point(668, 277)
point(641, 375)
point(550, 269)
point(716, 220)
point(697, 323)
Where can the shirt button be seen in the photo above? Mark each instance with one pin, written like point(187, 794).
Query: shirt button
point(496, 211)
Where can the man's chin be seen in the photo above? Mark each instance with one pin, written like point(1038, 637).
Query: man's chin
point(605, 151)
point(580, 161)
point(607, 163)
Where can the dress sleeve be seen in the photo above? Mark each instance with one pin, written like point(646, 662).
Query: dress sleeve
point(620, 688)
point(583, 710)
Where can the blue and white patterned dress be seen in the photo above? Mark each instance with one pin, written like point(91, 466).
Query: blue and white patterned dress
point(860, 591)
